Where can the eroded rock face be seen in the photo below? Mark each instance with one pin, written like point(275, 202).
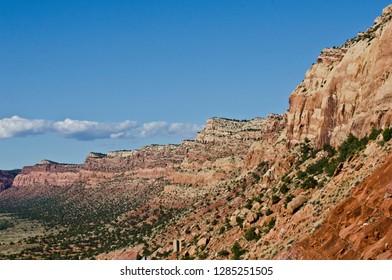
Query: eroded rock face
point(348, 90)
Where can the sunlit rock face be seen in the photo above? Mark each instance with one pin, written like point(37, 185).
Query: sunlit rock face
point(348, 90)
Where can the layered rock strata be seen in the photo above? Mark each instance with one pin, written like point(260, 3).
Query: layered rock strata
point(348, 90)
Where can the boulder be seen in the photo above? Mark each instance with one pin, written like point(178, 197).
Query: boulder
point(296, 203)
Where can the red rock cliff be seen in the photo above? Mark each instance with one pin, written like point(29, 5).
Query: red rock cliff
point(349, 89)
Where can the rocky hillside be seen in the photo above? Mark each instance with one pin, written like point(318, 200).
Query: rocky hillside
point(359, 227)
point(310, 184)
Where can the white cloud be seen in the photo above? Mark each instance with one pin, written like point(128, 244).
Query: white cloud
point(89, 130)
point(19, 127)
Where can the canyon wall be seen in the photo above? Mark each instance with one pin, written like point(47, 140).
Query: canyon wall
point(348, 90)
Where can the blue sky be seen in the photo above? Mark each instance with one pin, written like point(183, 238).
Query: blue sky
point(81, 76)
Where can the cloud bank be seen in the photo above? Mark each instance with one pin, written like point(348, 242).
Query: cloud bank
point(89, 130)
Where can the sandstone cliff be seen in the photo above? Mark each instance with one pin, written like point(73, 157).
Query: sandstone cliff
point(348, 90)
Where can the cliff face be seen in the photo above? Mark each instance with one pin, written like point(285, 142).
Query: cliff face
point(348, 90)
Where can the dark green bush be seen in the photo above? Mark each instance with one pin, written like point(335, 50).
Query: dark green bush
point(309, 183)
point(223, 253)
point(268, 212)
point(329, 149)
point(331, 167)
point(239, 221)
point(237, 251)
point(250, 234)
point(289, 198)
point(317, 168)
point(284, 189)
point(351, 145)
point(375, 132)
point(387, 134)
point(275, 199)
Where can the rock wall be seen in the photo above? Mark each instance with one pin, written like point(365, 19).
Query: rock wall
point(348, 90)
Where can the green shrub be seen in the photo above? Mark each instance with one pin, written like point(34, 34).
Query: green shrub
point(239, 221)
point(301, 175)
point(275, 199)
point(375, 132)
point(289, 198)
point(329, 149)
point(270, 225)
point(351, 145)
point(284, 189)
point(318, 167)
point(387, 134)
point(223, 253)
point(250, 234)
point(249, 204)
point(237, 251)
point(309, 183)
point(331, 167)
point(256, 177)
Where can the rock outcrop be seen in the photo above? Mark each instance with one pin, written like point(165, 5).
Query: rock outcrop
point(348, 90)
